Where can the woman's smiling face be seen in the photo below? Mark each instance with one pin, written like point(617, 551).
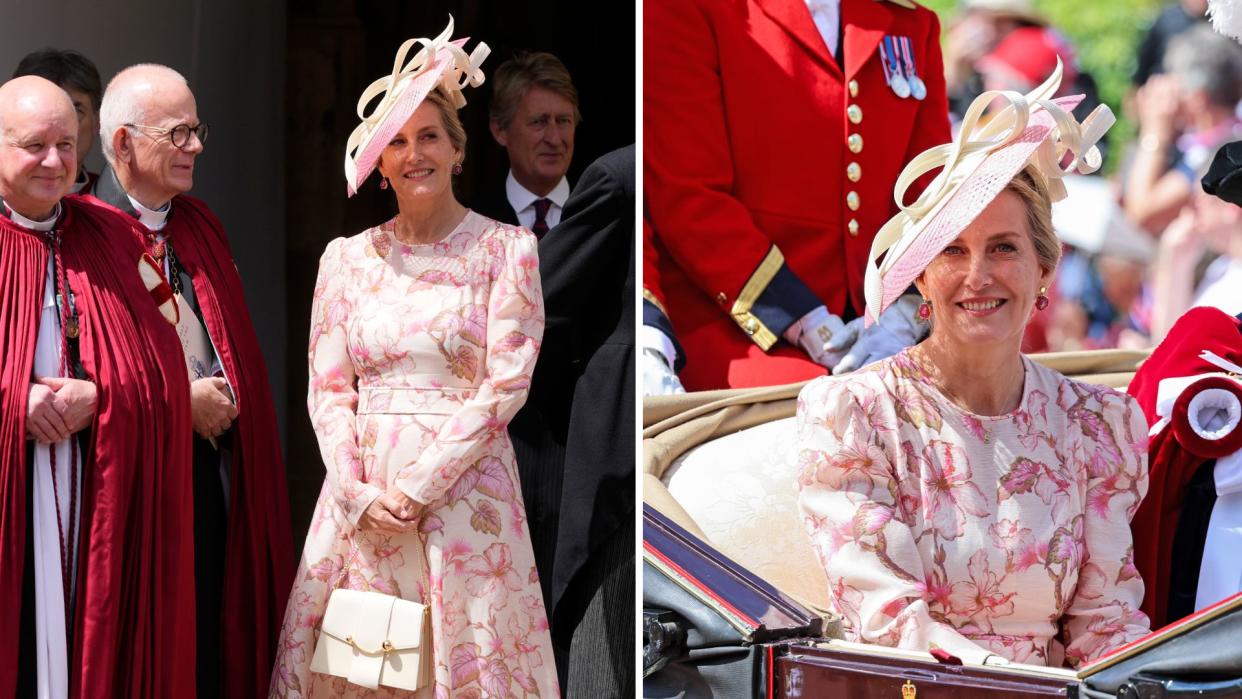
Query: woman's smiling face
point(982, 286)
point(419, 159)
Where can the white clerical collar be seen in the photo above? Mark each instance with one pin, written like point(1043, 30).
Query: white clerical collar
point(44, 225)
point(521, 198)
point(153, 219)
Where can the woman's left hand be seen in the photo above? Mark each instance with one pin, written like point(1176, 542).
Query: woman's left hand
point(410, 508)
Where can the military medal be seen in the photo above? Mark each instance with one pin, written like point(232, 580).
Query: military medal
point(918, 89)
point(892, 69)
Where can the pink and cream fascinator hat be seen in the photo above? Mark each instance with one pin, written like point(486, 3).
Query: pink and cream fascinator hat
point(442, 62)
point(1031, 129)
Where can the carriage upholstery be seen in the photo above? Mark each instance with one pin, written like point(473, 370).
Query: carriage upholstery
point(723, 464)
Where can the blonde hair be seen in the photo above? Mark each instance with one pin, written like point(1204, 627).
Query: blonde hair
point(1031, 188)
point(449, 118)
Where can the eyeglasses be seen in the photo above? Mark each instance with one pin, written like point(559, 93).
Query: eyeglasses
point(179, 134)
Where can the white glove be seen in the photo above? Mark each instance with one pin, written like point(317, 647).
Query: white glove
point(656, 359)
point(823, 336)
point(897, 328)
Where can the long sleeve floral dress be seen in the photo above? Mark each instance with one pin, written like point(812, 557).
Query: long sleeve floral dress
point(419, 356)
point(979, 535)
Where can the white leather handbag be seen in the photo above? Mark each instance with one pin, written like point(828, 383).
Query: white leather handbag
point(373, 639)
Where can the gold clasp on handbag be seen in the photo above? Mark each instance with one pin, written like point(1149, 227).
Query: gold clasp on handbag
point(383, 650)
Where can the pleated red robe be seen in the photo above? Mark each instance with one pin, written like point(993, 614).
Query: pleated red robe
point(259, 551)
point(133, 633)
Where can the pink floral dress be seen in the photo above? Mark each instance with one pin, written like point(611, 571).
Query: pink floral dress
point(979, 535)
point(419, 357)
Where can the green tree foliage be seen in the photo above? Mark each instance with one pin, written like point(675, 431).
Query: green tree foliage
point(1105, 35)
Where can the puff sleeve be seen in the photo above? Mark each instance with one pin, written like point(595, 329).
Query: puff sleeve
point(1103, 612)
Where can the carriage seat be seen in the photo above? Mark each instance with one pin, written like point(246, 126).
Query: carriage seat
point(742, 491)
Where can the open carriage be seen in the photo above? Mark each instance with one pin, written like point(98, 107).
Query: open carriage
point(735, 603)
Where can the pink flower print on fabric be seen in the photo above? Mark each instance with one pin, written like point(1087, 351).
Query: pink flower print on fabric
point(491, 573)
point(981, 593)
point(418, 424)
point(1025, 476)
point(949, 493)
point(965, 532)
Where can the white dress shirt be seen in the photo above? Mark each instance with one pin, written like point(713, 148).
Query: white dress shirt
point(827, 17)
point(51, 648)
point(523, 201)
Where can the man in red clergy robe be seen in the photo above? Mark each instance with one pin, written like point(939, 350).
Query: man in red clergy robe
point(151, 135)
point(773, 141)
point(94, 458)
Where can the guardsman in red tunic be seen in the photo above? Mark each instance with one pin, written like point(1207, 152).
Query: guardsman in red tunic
point(775, 131)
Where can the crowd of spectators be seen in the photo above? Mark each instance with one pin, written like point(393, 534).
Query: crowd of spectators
point(1143, 243)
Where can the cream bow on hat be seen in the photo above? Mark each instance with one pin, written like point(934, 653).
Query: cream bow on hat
point(441, 61)
point(1032, 128)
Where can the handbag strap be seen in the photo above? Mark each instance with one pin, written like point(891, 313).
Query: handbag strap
point(353, 551)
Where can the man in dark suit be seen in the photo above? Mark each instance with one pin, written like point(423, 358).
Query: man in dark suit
point(533, 114)
point(583, 395)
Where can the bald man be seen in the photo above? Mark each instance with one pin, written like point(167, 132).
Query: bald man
point(93, 418)
point(151, 136)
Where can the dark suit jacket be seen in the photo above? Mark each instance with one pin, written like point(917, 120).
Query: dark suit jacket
point(583, 387)
point(587, 267)
point(493, 203)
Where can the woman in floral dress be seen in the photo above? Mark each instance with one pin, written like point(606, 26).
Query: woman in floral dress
point(959, 495)
point(424, 334)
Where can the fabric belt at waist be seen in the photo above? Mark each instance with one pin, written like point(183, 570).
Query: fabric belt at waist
point(412, 400)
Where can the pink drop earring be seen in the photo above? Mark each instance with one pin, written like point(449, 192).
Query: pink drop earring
point(1041, 301)
point(456, 168)
point(383, 183)
point(925, 311)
